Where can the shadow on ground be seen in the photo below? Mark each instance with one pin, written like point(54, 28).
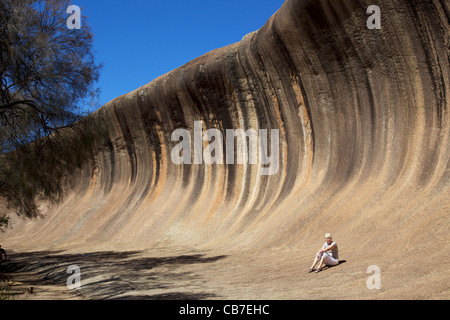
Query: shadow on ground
point(117, 275)
point(340, 263)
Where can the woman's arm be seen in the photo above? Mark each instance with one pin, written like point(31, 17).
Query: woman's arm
point(330, 247)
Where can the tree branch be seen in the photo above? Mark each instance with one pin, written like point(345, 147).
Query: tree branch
point(19, 102)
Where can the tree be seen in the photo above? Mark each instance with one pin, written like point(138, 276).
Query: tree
point(47, 76)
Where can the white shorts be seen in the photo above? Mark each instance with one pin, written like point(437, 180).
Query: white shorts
point(328, 259)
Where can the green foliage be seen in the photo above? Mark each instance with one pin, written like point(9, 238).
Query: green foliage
point(47, 73)
point(42, 170)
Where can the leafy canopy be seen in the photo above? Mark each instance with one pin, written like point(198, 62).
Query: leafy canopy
point(47, 78)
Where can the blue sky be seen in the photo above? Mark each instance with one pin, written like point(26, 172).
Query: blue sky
point(139, 40)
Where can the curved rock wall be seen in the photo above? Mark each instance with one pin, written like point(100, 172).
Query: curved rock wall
point(362, 117)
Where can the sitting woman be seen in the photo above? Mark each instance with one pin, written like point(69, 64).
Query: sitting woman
point(328, 255)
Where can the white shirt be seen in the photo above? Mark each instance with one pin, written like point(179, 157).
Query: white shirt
point(334, 252)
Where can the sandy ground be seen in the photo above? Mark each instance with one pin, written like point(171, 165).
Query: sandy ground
point(179, 273)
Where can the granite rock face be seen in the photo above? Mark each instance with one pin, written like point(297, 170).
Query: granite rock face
point(362, 117)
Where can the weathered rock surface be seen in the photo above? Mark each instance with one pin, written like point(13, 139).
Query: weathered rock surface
point(364, 150)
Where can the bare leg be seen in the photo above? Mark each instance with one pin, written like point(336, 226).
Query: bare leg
point(314, 263)
point(316, 259)
point(321, 264)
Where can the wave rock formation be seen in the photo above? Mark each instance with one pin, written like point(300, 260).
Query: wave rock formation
point(362, 117)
